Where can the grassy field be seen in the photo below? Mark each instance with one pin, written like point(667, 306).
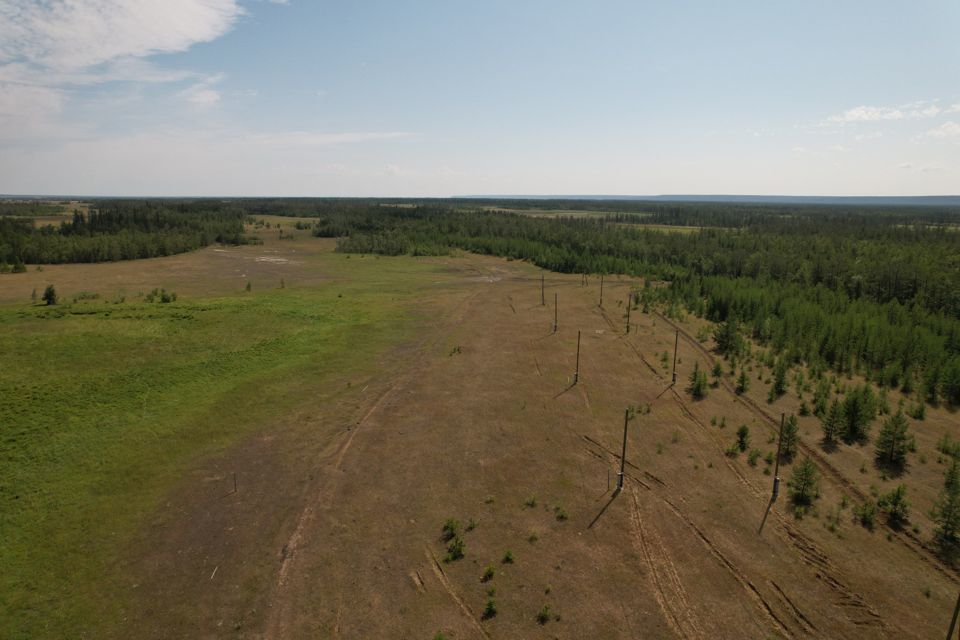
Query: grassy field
point(105, 403)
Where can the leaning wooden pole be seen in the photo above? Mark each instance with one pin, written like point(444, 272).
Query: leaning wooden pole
point(953, 621)
point(629, 304)
point(542, 299)
point(555, 315)
point(623, 451)
point(601, 289)
point(576, 372)
point(776, 467)
point(676, 344)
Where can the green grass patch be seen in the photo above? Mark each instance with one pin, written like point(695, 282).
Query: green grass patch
point(104, 406)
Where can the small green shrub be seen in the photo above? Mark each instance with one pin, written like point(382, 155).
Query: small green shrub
point(454, 549)
point(450, 529)
point(543, 616)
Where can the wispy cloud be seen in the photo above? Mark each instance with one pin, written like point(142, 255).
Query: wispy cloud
point(864, 113)
point(202, 94)
point(948, 129)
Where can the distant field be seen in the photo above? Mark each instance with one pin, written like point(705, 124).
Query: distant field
point(556, 213)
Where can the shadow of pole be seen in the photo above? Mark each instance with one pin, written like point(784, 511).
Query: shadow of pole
point(670, 386)
point(765, 514)
point(605, 507)
point(572, 385)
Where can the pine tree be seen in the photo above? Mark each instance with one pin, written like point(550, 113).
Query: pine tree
point(893, 441)
point(790, 437)
point(946, 511)
point(804, 483)
point(50, 295)
point(743, 437)
point(727, 337)
point(743, 382)
point(931, 385)
point(821, 397)
point(779, 386)
point(859, 408)
point(895, 505)
point(833, 422)
point(698, 383)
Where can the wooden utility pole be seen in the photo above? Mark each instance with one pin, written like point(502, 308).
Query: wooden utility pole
point(601, 289)
point(576, 373)
point(629, 304)
point(953, 621)
point(676, 343)
point(776, 467)
point(623, 451)
point(555, 315)
point(542, 300)
point(776, 484)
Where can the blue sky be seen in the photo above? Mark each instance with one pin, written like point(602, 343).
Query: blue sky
point(219, 97)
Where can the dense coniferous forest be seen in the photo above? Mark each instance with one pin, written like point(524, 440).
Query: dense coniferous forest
point(115, 230)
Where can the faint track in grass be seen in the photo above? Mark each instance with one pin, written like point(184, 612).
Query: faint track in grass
point(278, 620)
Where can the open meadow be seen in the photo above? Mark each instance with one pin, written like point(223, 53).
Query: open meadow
point(377, 447)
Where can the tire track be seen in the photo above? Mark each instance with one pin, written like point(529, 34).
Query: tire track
point(279, 607)
point(668, 590)
point(448, 587)
point(798, 615)
point(737, 574)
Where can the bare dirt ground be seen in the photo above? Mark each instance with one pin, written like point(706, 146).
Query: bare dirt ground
point(334, 530)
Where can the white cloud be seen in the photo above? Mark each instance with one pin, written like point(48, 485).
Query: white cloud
point(48, 48)
point(202, 94)
point(864, 113)
point(948, 129)
point(71, 35)
point(873, 135)
point(910, 111)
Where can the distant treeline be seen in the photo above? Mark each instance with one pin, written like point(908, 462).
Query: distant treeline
point(852, 289)
point(117, 230)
